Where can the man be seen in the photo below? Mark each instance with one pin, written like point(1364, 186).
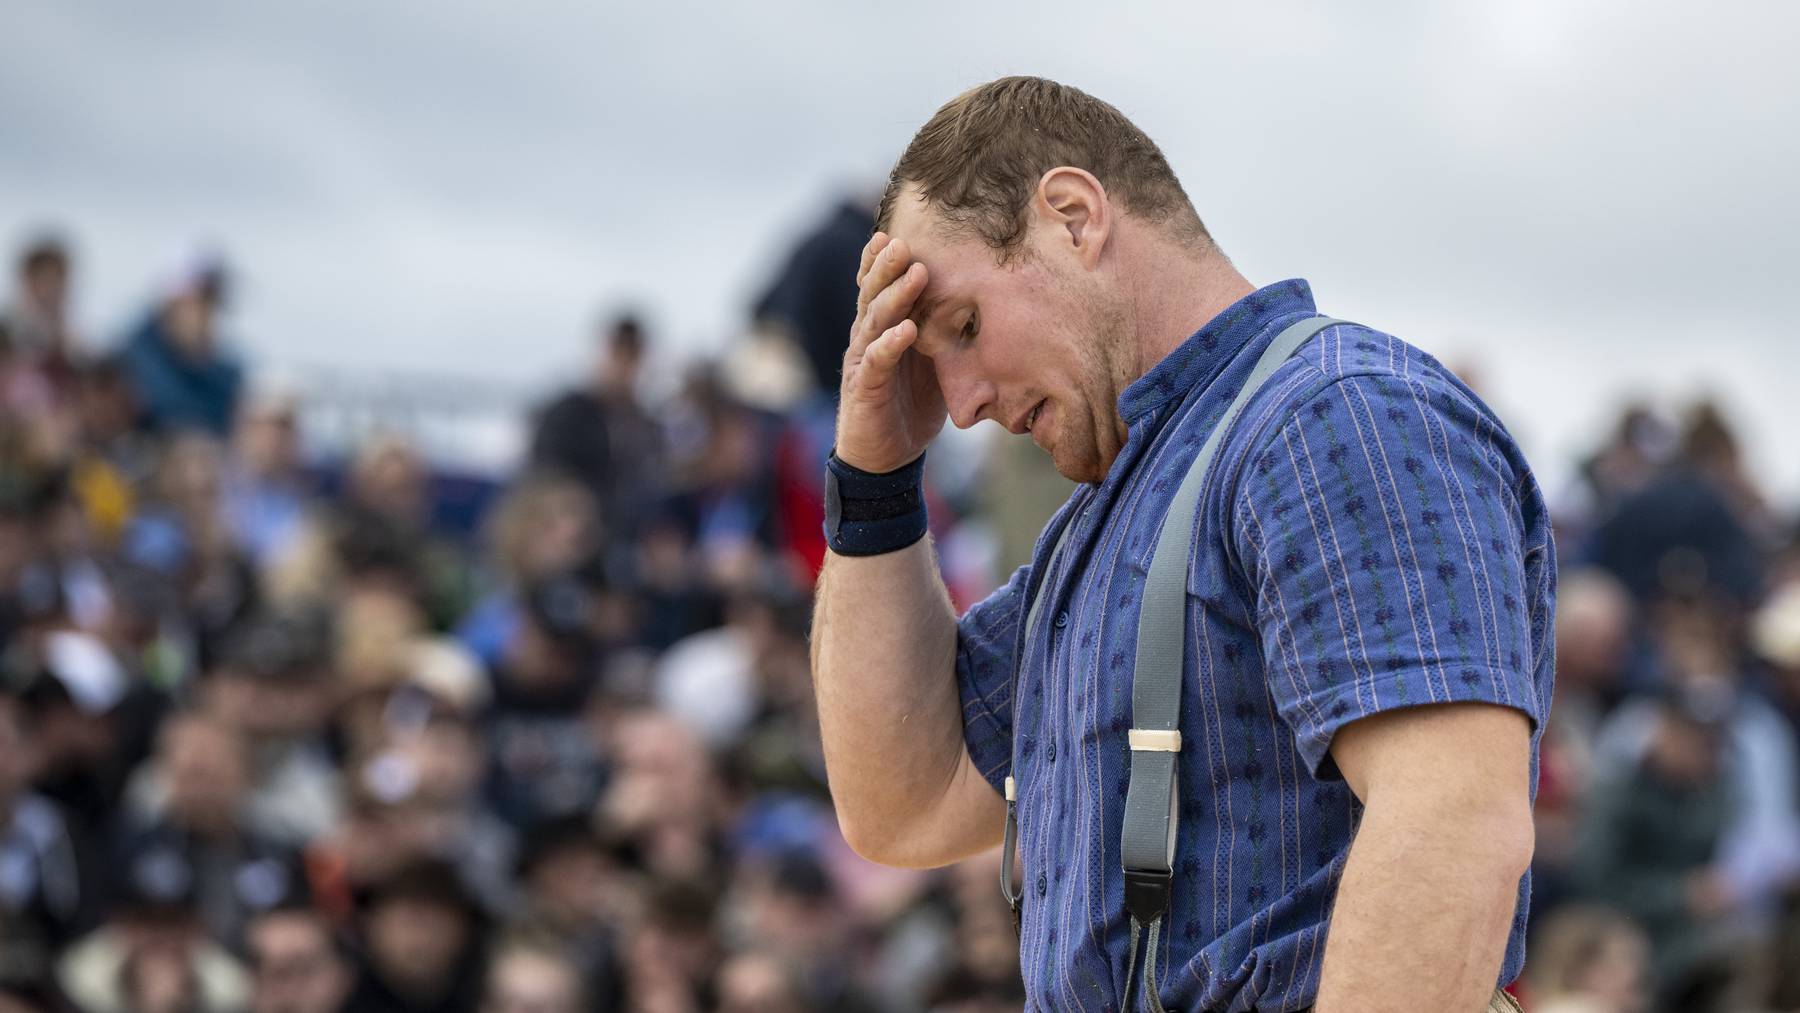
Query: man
point(1369, 540)
point(601, 435)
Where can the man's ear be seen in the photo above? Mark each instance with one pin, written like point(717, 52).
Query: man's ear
point(1075, 207)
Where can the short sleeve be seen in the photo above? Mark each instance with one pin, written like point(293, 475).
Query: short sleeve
point(1381, 528)
point(987, 639)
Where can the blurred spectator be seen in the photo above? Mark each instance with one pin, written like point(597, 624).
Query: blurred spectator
point(372, 627)
point(153, 952)
point(1640, 444)
point(721, 454)
point(1683, 531)
point(69, 555)
point(25, 597)
point(575, 896)
point(1777, 986)
point(545, 764)
point(421, 936)
point(89, 720)
point(110, 461)
point(36, 319)
point(425, 772)
point(383, 533)
point(534, 977)
point(779, 749)
point(1775, 635)
point(814, 293)
point(44, 894)
point(790, 910)
point(709, 679)
point(674, 951)
point(1593, 654)
point(182, 535)
point(547, 528)
point(984, 972)
point(297, 962)
point(1700, 643)
point(266, 493)
point(1651, 839)
point(1711, 446)
point(186, 819)
point(272, 685)
point(178, 365)
point(601, 435)
point(758, 982)
point(1588, 960)
point(965, 992)
point(664, 799)
point(672, 598)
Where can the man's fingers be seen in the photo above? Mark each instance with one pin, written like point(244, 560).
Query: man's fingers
point(896, 301)
point(887, 264)
point(871, 249)
point(885, 352)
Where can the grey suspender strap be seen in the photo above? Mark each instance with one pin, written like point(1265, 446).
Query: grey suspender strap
point(1153, 799)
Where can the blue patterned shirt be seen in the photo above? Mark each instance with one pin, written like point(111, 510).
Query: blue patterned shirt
point(1370, 538)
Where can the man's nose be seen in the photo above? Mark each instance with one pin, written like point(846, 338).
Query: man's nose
point(968, 398)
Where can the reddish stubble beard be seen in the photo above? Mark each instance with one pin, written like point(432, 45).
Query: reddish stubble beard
point(1085, 430)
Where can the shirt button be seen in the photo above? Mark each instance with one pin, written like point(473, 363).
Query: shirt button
point(1043, 885)
point(1052, 752)
point(1062, 619)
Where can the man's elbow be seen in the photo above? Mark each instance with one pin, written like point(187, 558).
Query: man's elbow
point(884, 843)
point(1515, 841)
point(1498, 839)
point(869, 842)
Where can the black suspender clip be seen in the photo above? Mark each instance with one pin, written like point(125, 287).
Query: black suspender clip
point(1147, 894)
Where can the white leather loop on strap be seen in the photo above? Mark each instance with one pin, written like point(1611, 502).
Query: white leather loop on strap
point(1152, 740)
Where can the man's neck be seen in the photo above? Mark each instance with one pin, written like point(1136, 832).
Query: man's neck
point(1178, 292)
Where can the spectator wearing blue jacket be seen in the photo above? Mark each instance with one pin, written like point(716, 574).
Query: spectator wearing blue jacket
point(183, 378)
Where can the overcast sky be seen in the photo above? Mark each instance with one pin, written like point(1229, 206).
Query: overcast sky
point(1581, 199)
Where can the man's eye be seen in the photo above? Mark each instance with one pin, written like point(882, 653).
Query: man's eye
point(969, 329)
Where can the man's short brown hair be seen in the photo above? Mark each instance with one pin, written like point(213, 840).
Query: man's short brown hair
point(978, 160)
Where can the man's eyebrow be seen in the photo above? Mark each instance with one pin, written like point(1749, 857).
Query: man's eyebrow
point(924, 308)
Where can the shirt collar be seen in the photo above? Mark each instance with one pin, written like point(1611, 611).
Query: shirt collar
point(1200, 358)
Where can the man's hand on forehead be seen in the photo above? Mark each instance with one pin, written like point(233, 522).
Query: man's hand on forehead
point(890, 406)
point(889, 281)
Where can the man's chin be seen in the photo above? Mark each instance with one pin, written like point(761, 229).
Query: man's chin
point(1081, 472)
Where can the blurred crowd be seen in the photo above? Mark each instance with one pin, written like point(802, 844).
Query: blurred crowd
point(280, 733)
point(1667, 873)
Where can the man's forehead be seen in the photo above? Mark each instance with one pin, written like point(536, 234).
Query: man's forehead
point(950, 255)
point(914, 220)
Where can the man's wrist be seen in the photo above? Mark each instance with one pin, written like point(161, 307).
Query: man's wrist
point(868, 514)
